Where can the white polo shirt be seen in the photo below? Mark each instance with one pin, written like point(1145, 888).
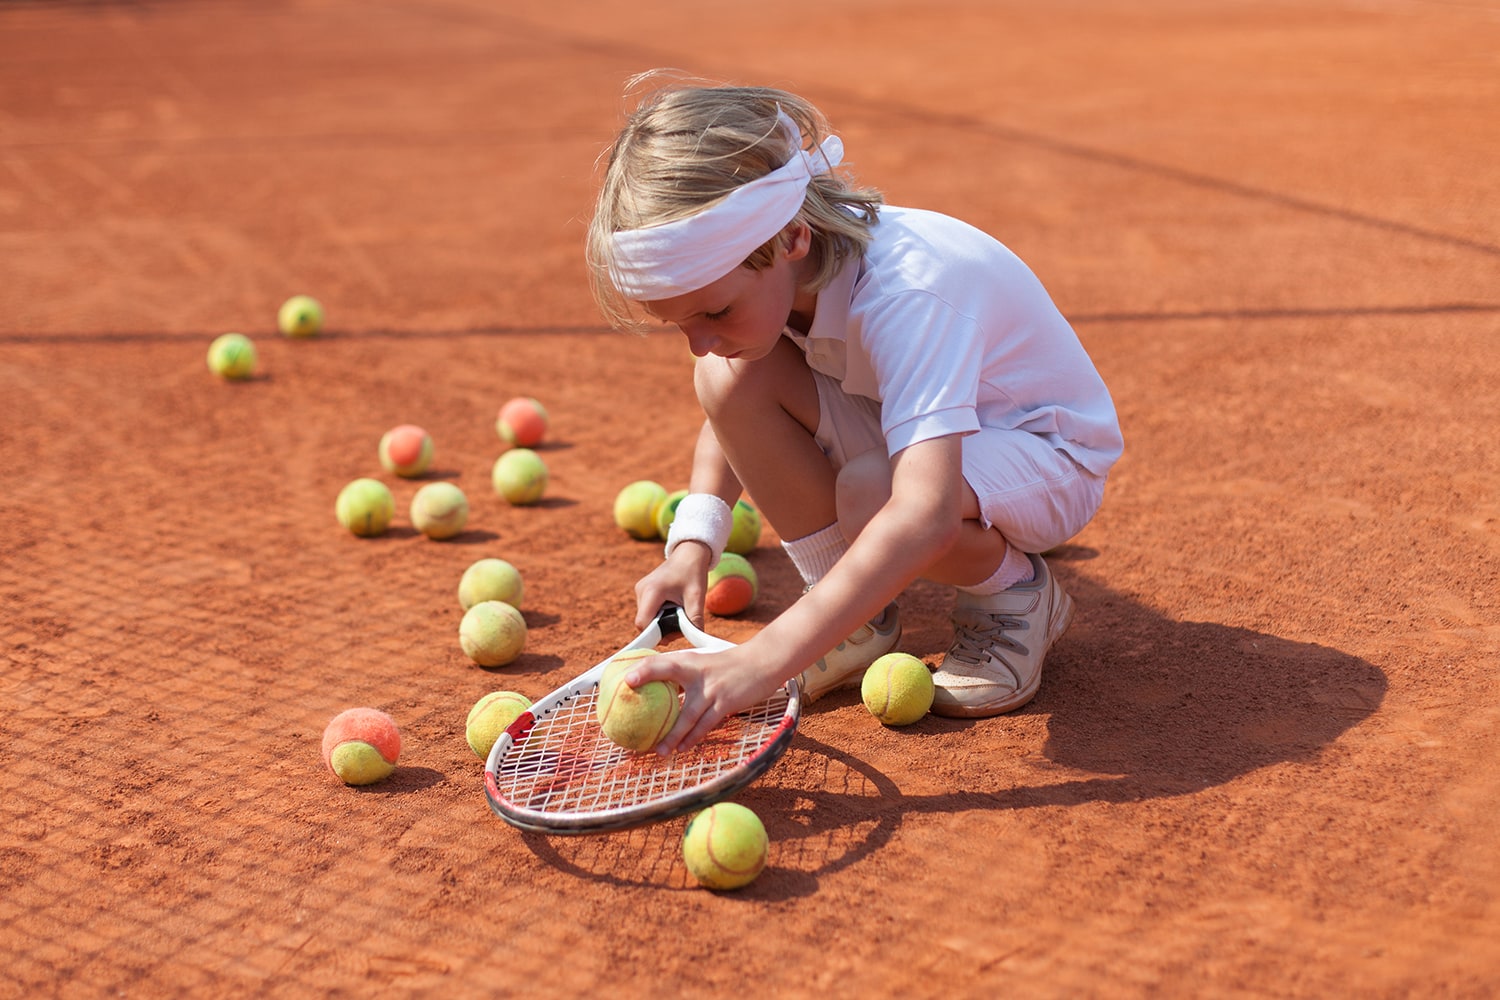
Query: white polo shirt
point(949, 331)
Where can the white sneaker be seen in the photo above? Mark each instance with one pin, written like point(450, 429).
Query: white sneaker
point(999, 640)
point(844, 666)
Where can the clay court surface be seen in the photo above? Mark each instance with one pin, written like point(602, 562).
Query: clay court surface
point(1262, 763)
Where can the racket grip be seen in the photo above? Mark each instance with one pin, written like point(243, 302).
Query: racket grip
point(666, 621)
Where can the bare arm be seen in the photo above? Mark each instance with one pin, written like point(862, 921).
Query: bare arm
point(914, 528)
point(682, 577)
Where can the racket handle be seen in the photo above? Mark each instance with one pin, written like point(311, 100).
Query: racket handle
point(666, 622)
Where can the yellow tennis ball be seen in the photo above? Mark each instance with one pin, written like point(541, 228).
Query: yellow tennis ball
point(635, 508)
point(439, 510)
point(491, 716)
point(490, 580)
point(897, 689)
point(744, 536)
point(725, 846)
point(520, 476)
point(300, 316)
point(406, 450)
point(635, 718)
point(232, 356)
point(492, 633)
point(666, 512)
point(732, 585)
point(365, 507)
point(361, 745)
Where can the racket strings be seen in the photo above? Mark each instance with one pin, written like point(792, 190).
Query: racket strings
point(566, 765)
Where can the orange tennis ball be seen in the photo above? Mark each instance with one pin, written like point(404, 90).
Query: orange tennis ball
point(522, 422)
point(635, 718)
point(406, 450)
point(361, 745)
point(732, 585)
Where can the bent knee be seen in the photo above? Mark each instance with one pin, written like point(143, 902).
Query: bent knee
point(863, 487)
point(781, 378)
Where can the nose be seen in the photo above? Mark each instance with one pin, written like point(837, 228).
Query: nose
point(700, 341)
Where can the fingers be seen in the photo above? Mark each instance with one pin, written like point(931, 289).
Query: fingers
point(700, 714)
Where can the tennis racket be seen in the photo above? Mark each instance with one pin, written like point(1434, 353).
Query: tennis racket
point(554, 770)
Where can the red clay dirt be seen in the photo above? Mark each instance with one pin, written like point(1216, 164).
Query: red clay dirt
point(1262, 763)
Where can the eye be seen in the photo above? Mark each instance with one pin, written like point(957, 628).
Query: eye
point(718, 315)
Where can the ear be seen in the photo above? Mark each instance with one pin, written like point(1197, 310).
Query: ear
point(796, 240)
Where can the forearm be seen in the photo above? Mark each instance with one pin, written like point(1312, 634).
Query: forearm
point(711, 471)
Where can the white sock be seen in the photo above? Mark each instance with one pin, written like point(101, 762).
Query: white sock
point(815, 554)
point(1014, 569)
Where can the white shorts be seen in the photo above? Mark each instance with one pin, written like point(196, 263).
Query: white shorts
point(1034, 494)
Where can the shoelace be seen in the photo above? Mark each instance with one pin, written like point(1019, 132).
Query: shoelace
point(976, 633)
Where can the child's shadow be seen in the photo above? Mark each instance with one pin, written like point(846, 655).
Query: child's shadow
point(1165, 706)
point(1172, 706)
point(1137, 707)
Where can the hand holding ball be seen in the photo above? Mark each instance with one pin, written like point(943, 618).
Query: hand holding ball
point(361, 745)
point(635, 718)
point(439, 510)
point(492, 633)
point(897, 689)
point(725, 846)
point(365, 507)
point(406, 451)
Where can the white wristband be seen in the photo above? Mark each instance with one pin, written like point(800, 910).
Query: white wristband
point(701, 517)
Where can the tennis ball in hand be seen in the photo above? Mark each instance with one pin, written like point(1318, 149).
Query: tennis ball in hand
point(732, 585)
point(491, 716)
point(406, 450)
point(492, 633)
point(365, 507)
point(725, 846)
point(897, 689)
point(232, 356)
point(635, 718)
point(361, 745)
point(522, 422)
point(300, 316)
point(744, 536)
point(520, 476)
point(666, 512)
point(490, 580)
point(635, 508)
point(439, 510)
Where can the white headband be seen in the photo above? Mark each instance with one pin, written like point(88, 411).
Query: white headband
point(678, 257)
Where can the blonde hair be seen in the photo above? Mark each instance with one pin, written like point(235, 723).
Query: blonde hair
point(688, 144)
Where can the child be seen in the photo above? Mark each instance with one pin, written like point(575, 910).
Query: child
point(894, 388)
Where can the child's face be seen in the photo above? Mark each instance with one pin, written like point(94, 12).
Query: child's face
point(742, 314)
